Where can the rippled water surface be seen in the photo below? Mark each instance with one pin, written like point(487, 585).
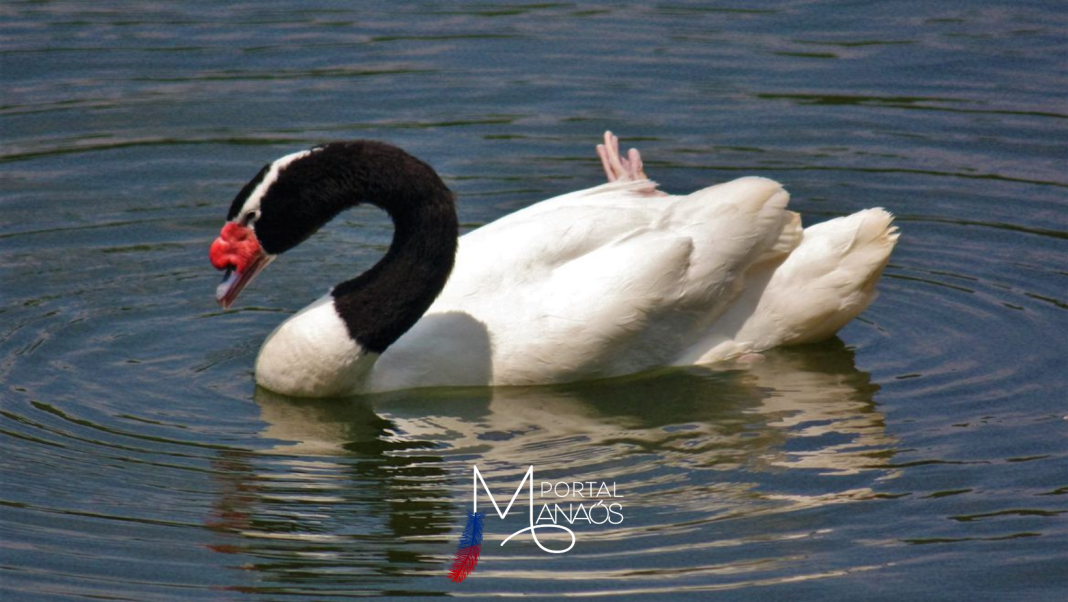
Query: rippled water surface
point(922, 454)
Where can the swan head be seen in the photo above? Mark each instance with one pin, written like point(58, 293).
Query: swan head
point(250, 239)
point(285, 203)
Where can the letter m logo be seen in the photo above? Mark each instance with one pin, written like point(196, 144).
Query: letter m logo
point(529, 476)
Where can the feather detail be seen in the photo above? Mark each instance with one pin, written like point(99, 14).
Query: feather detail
point(469, 549)
point(472, 535)
point(464, 562)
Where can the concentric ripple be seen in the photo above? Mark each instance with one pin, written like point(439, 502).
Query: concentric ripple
point(919, 455)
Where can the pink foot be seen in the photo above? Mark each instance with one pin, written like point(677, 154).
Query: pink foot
point(616, 167)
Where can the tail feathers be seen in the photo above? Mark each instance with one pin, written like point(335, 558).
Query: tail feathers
point(466, 558)
point(826, 282)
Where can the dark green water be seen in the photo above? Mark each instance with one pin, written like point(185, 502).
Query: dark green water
point(921, 455)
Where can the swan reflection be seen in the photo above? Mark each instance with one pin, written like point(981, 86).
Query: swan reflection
point(347, 487)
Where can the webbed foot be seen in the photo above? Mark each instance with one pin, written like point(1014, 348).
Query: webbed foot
point(616, 167)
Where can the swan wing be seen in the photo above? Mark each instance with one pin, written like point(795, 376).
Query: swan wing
point(597, 283)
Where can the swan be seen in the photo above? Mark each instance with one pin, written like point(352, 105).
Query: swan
point(612, 280)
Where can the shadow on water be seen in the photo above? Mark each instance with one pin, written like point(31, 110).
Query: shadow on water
point(367, 493)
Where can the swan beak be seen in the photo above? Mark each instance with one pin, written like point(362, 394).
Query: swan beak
point(235, 280)
point(238, 252)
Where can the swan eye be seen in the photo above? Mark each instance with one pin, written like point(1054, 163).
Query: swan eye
point(249, 218)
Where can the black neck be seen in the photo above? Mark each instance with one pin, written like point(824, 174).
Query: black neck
point(381, 304)
point(384, 302)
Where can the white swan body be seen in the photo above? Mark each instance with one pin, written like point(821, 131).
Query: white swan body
point(611, 281)
point(603, 282)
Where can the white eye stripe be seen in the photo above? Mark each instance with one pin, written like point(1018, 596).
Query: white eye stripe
point(252, 203)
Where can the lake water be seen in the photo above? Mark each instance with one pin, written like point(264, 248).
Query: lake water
point(923, 454)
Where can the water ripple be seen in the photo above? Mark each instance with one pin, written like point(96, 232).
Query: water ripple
point(925, 445)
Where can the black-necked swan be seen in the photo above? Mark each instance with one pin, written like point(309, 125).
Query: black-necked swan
point(607, 281)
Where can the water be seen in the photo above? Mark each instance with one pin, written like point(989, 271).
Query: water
point(922, 454)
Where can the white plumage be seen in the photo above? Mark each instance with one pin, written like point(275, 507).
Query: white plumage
point(613, 280)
